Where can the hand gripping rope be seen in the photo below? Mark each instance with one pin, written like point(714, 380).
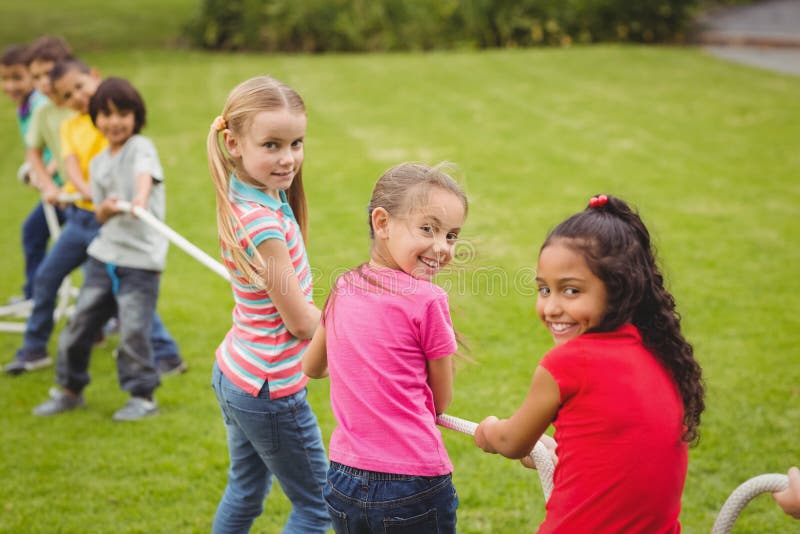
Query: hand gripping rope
point(540, 455)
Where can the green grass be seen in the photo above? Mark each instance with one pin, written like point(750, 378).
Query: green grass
point(92, 25)
point(707, 150)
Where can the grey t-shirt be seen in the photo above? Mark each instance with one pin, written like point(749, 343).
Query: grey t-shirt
point(125, 240)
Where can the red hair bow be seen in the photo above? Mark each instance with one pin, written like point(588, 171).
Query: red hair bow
point(599, 200)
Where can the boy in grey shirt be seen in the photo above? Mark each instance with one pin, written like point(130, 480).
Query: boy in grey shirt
point(125, 261)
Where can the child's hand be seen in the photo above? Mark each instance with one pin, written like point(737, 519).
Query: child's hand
point(138, 202)
point(51, 193)
point(480, 434)
point(789, 499)
point(107, 209)
point(550, 444)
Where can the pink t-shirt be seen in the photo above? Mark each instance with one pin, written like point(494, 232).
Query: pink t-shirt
point(621, 462)
point(380, 333)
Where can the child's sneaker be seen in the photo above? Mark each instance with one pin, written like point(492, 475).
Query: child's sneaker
point(136, 408)
point(171, 365)
point(60, 402)
point(27, 361)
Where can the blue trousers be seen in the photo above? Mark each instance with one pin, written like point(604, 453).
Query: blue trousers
point(67, 254)
point(268, 437)
point(35, 235)
point(362, 502)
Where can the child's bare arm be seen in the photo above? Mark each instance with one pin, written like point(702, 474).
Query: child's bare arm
point(515, 437)
point(144, 184)
point(44, 180)
point(75, 175)
point(300, 317)
point(440, 380)
point(315, 358)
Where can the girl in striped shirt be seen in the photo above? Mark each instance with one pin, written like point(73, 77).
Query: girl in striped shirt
point(255, 156)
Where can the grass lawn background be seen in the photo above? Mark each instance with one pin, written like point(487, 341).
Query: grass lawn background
point(708, 151)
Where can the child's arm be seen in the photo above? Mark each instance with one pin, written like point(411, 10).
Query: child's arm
point(300, 317)
point(75, 175)
point(789, 499)
point(315, 358)
point(44, 177)
point(515, 437)
point(144, 184)
point(440, 380)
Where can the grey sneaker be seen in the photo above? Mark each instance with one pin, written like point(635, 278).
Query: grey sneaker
point(60, 402)
point(27, 361)
point(136, 408)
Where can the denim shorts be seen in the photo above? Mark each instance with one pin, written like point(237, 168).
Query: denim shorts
point(369, 501)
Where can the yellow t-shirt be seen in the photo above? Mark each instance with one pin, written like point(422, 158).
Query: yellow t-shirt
point(81, 138)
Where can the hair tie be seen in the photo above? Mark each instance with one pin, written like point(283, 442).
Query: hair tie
point(598, 201)
point(219, 124)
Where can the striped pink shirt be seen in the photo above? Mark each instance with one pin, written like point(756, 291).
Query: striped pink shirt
point(258, 348)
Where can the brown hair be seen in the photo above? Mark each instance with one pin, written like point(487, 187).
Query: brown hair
point(48, 48)
point(616, 245)
point(124, 96)
point(13, 55)
point(262, 93)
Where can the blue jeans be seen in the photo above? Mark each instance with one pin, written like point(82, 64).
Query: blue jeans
point(270, 437)
point(67, 254)
point(35, 235)
point(130, 293)
point(362, 501)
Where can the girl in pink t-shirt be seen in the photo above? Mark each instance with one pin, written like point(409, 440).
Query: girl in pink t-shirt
point(621, 386)
point(387, 341)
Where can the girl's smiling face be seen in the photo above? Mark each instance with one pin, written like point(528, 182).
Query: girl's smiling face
point(572, 300)
point(270, 149)
point(422, 242)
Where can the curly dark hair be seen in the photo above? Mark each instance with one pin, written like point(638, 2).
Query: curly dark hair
point(616, 246)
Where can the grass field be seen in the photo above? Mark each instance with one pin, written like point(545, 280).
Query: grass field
point(708, 151)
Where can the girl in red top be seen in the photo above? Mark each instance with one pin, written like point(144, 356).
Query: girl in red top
point(621, 386)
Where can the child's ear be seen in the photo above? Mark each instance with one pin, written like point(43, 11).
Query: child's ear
point(94, 73)
point(380, 223)
point(231, 144)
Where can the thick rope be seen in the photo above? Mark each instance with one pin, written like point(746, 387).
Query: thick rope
point(175, 237)
point(742, 495)
point(540, 455)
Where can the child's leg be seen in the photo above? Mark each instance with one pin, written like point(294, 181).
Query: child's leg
point(136, 303)
point(300, 464)
point(94, 306)
point(249, 429)
point(35, 235)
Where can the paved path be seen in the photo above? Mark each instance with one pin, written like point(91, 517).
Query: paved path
point(765, 34)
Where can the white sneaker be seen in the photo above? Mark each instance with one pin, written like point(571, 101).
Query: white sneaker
point(136, 408)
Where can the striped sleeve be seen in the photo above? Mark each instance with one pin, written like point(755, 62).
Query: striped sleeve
point(263, 224)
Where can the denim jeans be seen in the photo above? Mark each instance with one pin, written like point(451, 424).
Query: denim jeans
point(267, 437)
point(362, 501)
point(67, 254)
point(35, 235)
point(106, 290)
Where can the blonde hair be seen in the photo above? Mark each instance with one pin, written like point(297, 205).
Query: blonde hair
point(406, 185)
point(262, 93)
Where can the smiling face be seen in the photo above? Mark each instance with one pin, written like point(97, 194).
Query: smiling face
point(75, 88)
point(571, 298)
point(116, 125)
point(270, 149)
point(40, 75)
point(16, 81)
point(422, 242)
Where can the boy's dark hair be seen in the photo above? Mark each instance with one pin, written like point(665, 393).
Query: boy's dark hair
point(66, 65)
point(616, 246)
point(123, 95)
point(13, 55)
point(48, 48)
